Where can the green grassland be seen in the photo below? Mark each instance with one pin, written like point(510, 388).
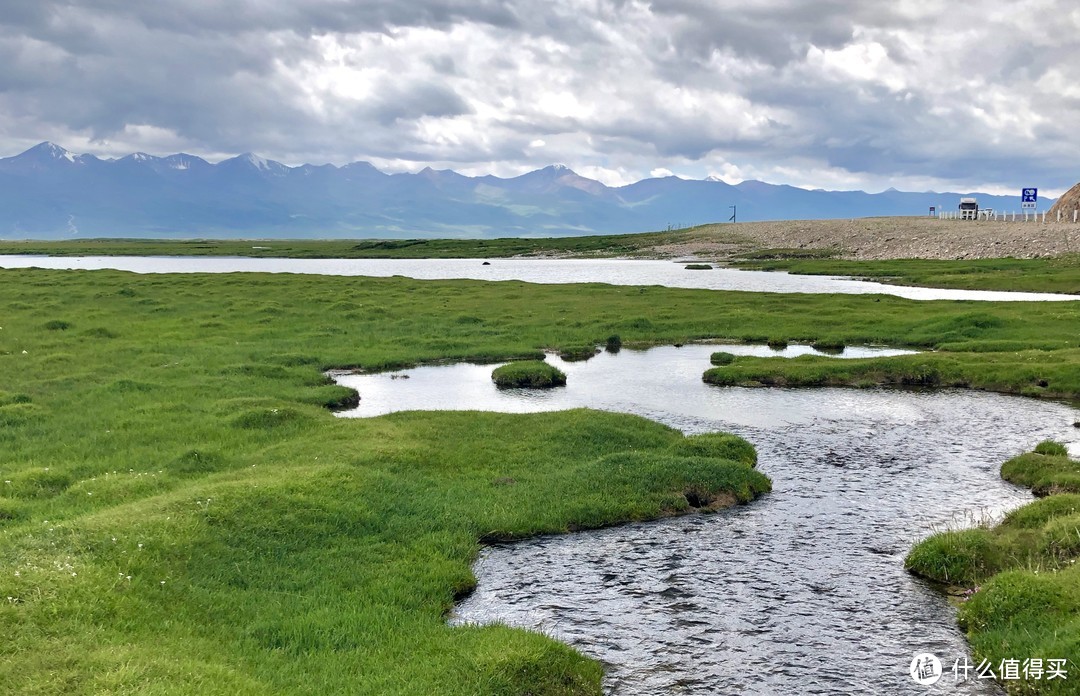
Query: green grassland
point(180, 512)
point(592, 245)
point(1022, 583)
point(1059, 274)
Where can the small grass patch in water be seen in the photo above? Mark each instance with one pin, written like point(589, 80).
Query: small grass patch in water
point(1013, 372)
point(578, 353)
point(830, 346)
point(532, 374)
point(721, 358)
point(1022, 581)
point(698, 267)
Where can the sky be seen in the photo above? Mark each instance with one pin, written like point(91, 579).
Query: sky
point(835, 94)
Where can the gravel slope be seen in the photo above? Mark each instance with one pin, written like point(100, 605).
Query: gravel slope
point(881, 238)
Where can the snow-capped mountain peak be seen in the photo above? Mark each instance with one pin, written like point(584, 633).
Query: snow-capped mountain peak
point(259, 164)
point(46, 152)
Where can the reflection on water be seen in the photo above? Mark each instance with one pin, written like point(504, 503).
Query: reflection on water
point(800, 592)
point(612, 271)
point(658, 380)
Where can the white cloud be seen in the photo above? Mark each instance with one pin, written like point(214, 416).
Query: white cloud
point(839, 93)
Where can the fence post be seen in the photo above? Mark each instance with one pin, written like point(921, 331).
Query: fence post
point(1059, 216)
point(1044, 217)
point(1074, 214)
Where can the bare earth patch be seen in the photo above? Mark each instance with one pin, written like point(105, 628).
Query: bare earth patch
point(877, 238)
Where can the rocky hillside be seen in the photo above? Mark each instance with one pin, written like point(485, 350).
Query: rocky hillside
point(1066, 204)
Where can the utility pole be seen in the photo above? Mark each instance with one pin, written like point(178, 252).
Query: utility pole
point(733, 211)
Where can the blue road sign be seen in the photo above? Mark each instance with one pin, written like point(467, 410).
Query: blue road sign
point(1029, 195)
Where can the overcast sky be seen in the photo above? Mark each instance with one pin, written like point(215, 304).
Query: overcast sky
point(837, 94)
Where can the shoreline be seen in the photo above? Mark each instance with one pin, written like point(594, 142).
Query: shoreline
point(857, 239)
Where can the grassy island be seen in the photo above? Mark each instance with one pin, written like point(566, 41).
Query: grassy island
point(532, 374)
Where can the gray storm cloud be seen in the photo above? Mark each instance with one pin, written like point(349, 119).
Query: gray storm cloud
point(836, 94)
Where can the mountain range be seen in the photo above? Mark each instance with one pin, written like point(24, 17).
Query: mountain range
point(49, 193)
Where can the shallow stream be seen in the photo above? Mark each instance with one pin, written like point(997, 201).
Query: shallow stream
point(800, 592)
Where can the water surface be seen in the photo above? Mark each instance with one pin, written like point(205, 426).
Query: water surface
point(800, 592)
point(611, 271)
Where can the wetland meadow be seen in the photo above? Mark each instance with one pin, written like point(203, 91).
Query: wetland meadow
point(181, 510)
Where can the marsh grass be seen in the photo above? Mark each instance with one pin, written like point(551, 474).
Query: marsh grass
point(1045, 473)
point(180, 512)
point(591, 245)
point(1022, 372)
point(721, 358)
point(1022, 578)
point(530, 374)
point(184, 514)
point(830, 346)
point(578, 353)
point(1060, 274)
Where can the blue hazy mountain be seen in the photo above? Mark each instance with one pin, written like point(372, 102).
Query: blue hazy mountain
point(48, 192)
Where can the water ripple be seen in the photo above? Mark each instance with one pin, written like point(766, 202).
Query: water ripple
point(802, 591)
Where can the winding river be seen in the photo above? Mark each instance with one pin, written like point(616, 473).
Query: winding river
point(800, 592)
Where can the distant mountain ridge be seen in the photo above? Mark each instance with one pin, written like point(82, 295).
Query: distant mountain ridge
point(48, 192)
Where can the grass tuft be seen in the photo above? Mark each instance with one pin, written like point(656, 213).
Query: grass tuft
point(578, 353)
point(1051, 448)
point(1022, 576)
point(721, 358)
point(532, 374)
point(717, 446)
point(267, 418)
